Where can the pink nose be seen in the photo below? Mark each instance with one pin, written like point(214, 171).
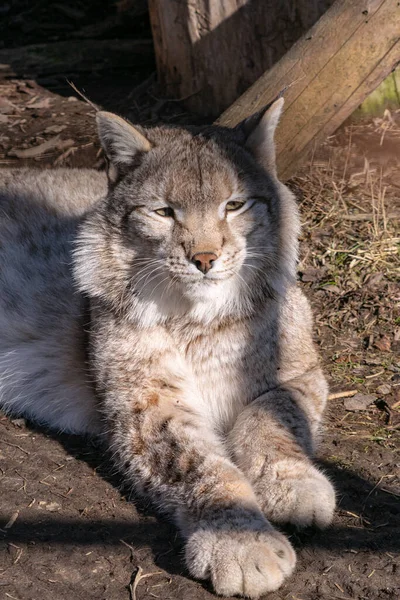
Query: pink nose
point(204, 260)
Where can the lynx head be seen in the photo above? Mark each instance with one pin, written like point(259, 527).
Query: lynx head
point(195, 221)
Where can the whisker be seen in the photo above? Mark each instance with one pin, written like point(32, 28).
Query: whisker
point(148, 281)
point(158, 284)
point(147, 260)
point(255, 267)
point(172, 281)
point(153, 271)
point(244, 281)
point(146, 273)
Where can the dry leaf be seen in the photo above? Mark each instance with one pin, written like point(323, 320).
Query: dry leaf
point(384, 389)
point(42, 103)
point(51, 144)
point(7, 107)
point(50, 506)
point(383, 344)
point(311, 274)
point(55, 129)
point(333, 289)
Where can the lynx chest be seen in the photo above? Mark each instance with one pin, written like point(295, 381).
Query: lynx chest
point(228, 369)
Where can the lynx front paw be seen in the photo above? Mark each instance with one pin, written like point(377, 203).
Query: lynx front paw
point(247, 562)
point(296, 492)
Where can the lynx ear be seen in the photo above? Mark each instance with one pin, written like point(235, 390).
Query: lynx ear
point(121, 142)
point(259, 130)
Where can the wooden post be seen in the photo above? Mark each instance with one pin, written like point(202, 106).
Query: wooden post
point(211, 52)
point(329, 71)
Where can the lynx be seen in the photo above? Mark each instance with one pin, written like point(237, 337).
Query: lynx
point(158, 308)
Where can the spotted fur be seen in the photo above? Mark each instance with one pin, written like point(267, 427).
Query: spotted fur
point(206, 385)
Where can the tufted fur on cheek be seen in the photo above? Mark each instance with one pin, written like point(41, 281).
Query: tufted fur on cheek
point(140, 263)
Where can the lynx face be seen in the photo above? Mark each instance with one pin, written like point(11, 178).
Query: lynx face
point(190, 217)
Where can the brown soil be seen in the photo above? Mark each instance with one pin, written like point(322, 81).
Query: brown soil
point(69, 531)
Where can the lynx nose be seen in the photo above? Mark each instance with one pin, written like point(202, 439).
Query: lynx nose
point(204, 260)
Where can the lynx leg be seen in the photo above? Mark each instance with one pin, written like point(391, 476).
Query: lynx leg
point(271, 442)
point(183, 468)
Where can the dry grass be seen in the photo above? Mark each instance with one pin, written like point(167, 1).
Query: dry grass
point(351, 241)
point(350, 267)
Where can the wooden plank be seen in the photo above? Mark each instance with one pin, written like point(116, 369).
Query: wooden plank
point(210, 52)
point(330, 71)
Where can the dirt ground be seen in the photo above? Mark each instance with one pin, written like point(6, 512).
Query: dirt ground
point(67, 529)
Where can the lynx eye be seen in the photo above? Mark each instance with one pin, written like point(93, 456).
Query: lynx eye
point(234, 205)
point(166, 211)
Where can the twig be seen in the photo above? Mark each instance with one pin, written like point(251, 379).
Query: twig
point(24, 479)
point(19, 554)
point(368, 216)
point(82, 95)
point(346, 394)
point(12, 520)
point(389, 492)
point(338, 587)
point(15, 446)
point(371, 491)
point(137, 576)
point(131, 548)
point(375, 374)
point(65, 155)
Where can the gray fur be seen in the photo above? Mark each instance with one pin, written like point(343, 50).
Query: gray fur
point(207, 385)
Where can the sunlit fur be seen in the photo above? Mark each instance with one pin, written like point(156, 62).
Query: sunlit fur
point(205, 384)
point(149, 274)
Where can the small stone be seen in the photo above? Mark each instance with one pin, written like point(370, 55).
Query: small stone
point(384, 389)
point(359, 402)
point(72, 99)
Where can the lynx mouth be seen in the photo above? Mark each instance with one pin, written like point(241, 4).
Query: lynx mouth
point(206, 280)
point(218, 277)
